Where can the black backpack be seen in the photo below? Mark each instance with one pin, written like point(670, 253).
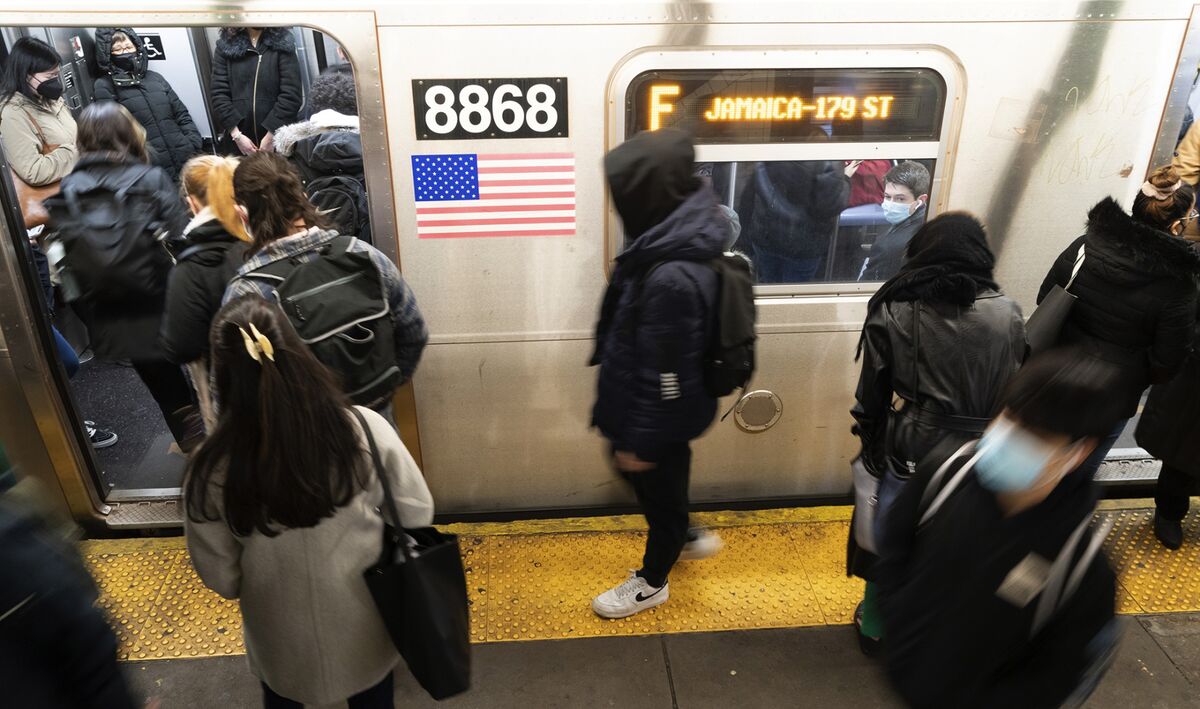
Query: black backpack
point(339, 307)
point(342, 199)
point(111, 240)
point(729, 357)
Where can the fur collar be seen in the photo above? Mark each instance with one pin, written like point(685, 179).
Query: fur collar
point(1115, 233)
point(321, 122)
point(234, 43)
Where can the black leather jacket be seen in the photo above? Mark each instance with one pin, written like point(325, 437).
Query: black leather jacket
point(966, 356)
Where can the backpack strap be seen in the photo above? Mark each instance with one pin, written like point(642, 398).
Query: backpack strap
point(198, 248)
point(1059, 585)
point(944, 494)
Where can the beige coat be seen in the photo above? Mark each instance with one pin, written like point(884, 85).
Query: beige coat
point(312, 632)
point(22, 146)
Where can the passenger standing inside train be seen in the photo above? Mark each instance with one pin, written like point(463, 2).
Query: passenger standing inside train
point(282, 513)
point(1135, 292)
point(170, 130)
point(940, 337)
point(999, 596)
point(120, 292)
point(650, 343)
point(214, 249)
point(905, 194)
point(288, 229)
point(256, 87)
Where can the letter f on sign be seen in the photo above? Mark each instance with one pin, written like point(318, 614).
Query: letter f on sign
point(658, 104)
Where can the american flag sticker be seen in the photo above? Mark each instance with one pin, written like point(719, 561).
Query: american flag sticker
point(468, 195)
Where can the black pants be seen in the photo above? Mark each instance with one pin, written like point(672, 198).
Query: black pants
point(663, 496)
point(171, 392)
point(378, 697)
point(1172, 492)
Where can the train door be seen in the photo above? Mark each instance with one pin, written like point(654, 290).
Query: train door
point(107, 434)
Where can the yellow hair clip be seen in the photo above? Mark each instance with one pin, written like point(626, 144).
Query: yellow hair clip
point(258, 346)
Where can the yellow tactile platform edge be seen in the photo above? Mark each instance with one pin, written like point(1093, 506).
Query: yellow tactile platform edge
point(533, 580)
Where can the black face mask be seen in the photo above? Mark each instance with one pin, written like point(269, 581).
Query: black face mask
point(125, 62)
point(51, 89)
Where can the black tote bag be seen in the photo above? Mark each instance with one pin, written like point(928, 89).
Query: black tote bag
point(420, 589)
point(1044, 327)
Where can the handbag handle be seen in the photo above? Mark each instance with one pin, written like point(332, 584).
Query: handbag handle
point(388, 501)
point(1078, 265)
point(38, 128)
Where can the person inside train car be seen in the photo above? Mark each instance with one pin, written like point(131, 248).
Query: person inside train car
point(650, 343)
point(941, 339)
point(114, 196)
point(37, 128)
point(1135, 291)
point(282, 513)
point(905, 194)
point(256, 87)
point(1187, 155)
point(170, 131)
point(995, 592)
point(1169, 429)
point(287, 229)
point(216, 242)
point(789, 212)
point(327, 150)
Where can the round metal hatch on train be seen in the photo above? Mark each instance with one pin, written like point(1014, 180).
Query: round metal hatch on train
point(758, 410)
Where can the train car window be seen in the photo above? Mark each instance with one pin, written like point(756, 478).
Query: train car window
point(228, 91)
point(828, 161)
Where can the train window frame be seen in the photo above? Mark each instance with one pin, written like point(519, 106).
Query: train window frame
point(940, 151)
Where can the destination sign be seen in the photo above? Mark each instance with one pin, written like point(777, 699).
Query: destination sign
point(789, 105)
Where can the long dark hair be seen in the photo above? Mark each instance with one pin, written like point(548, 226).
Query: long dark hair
point(29, 56)
point(284, 453)
point(109, 127)
point(269, 188)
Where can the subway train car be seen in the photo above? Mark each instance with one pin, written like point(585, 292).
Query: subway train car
point(484, 125)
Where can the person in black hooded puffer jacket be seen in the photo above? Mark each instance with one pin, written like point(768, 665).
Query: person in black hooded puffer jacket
point(170, 130)
point(256, 87)
point(1136, 292)
point(650, 342)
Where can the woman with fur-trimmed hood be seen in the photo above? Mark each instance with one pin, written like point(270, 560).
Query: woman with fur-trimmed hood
point(328, 143)
point(1136, 291)
point(256, 87)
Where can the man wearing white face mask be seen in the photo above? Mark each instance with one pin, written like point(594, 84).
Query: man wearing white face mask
point(993, 589)
point(905, 194)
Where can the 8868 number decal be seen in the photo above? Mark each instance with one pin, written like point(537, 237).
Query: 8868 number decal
point(448, 109)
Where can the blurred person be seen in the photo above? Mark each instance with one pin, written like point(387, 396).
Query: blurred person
point(1187, 155)
point(256, 87)
point(284, 489)
point(290, 234)
point(995, 593)
point(215, 243)
point(942, 339)
point(650, 342)
point(1135, 293)
point(170, 131)
point(905, 194)
point(115, 216)
point(867, 182)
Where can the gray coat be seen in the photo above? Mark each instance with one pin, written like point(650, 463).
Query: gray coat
point(312, 632)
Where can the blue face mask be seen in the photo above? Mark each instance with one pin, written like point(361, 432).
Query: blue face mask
point(1011, 459)
point(895, 212)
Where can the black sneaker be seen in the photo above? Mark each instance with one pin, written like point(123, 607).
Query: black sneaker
point(100, 437)
point(870, 646)
point(1168, 531)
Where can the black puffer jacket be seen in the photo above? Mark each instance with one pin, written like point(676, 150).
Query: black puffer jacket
point(1170, 424)
point(195, 288)
point(326, 144)
point(957, 366)
point(1136, 298)
point(792, 208)
point(256, 89)
point(653, 329)
point(170, 130)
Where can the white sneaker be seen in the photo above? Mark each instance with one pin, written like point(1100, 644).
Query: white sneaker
point(706, 543)
point(632, 596)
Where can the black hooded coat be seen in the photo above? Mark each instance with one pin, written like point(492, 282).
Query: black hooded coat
point(1136, 298)
point(256, 89)
point(655, 325)
point(170, 130)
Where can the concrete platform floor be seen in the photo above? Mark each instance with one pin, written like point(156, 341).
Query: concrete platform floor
point(1158, 667)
